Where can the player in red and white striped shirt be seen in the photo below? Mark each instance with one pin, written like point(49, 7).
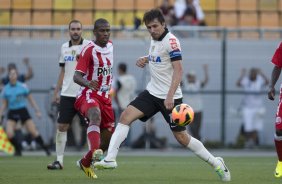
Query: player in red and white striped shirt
point(94, 74)
point(277, 62)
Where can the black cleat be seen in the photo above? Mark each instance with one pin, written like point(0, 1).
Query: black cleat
point(55, 166)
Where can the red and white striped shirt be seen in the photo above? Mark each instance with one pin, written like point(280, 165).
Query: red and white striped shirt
point(97, 64)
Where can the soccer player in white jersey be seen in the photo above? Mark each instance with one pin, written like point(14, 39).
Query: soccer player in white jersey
point(94, 74)
point(161, 95)
point(68, 60)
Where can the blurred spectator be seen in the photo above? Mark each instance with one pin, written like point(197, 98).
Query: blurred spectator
point(199, 13)
point(189, 16)
point(137, 23)
point(169, 13)
point(14, 97)
point(125, 88)
point(21, 77)
point(193, 86)
point(252, 105)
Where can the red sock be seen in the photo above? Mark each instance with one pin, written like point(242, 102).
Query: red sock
point(278, 145)
point(93, 134)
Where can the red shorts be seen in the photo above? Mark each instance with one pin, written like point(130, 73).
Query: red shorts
point(106, 109)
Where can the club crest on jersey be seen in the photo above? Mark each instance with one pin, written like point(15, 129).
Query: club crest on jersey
point(104, 71)
point(155, 59)
point(73, 52)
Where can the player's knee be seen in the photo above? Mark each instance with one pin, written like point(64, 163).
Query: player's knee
point(94, 115)
point(63, 127)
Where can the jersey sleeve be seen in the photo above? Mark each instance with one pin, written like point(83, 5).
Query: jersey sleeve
point(84, 60)
point(173, 48)
point(61, 59)
point(277, 57)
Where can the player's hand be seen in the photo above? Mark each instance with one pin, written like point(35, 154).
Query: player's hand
point(142, 61)
point(169, 103)
point(77, 57)
point(56, 98)
point(271, 93)
point(93, 85)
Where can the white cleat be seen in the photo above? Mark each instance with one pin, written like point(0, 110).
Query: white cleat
point(222, 171)
point(104, 164)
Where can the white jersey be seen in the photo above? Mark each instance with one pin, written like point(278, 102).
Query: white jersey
point(68, 60)
point(161, 55)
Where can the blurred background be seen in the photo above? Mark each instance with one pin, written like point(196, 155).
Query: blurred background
point(227, 36)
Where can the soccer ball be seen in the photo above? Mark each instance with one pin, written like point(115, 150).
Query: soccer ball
point(182, 115)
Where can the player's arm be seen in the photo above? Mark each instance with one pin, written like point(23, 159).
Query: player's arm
point(56, 96)
point(142, 61)
point(80, 80)
point(3, 107)
point(274, 77)
point(175, 82)
point(29, 73)
point(34, 105)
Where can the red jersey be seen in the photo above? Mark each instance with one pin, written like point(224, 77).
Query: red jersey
point(97, 64)
point(277, 57)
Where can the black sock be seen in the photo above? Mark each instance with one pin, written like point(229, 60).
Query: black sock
point(39, 140)
point(17, 145)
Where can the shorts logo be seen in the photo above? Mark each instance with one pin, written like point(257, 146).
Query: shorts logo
point(278, 120)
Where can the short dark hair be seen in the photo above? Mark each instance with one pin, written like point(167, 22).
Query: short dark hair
point(74, 21)
point(122, 67)
point(98, 22)
point(12, 66)
point(152, 14)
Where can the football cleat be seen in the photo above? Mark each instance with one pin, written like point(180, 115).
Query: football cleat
point(87, 170)
point(56, 165)
point(104, 164)
point(278, 170)
point(222, 171)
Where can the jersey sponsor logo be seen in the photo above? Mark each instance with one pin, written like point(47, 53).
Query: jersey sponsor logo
point(173, 43)
point(155, 59)
point(69, 58)
point(104, 71)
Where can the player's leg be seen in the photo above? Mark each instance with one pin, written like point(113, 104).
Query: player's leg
point(195, 145)
point(278, 139)
point(66, 114)
point(141, 108)
point(199, 149)
point(10, 131)
point(31, 128)
point(90, 110)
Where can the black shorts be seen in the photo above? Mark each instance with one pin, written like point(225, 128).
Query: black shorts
point(67, 111)
point(150, 105)
point(19, 115)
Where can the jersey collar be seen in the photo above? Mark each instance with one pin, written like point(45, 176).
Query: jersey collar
point(80, 43)
point(163, 35)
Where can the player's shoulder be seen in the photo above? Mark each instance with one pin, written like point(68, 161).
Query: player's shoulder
point(170, 38)
point(65, 45)
point(110, 43)
point(86, 42)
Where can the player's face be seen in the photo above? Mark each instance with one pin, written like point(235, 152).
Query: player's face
point(102, 34)
point(13, 76)
point(155, 28)
point(75, 31)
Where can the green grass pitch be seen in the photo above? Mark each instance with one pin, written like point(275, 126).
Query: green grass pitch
point(136, 169)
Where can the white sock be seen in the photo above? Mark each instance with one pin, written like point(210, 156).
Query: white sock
point(199, 149)
point(61, 139)
point(118, 137)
